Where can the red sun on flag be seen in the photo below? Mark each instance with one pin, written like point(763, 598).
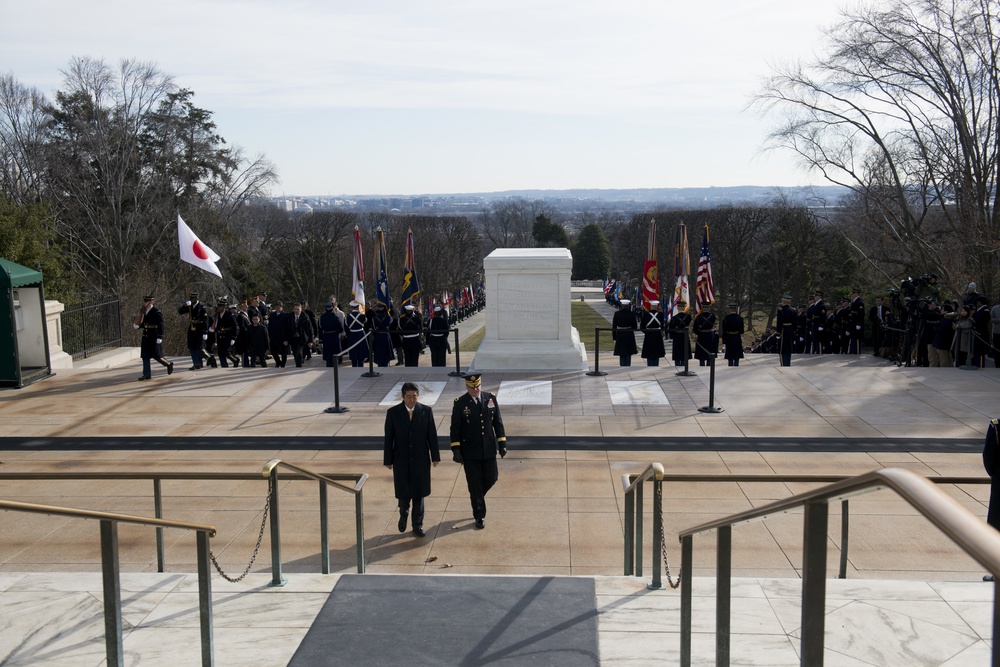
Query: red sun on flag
point(199, 250)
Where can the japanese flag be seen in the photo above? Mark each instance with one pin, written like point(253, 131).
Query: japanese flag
point(193, 251)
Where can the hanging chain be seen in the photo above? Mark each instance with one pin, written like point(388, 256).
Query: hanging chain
point(663, 541)
point(260, 537)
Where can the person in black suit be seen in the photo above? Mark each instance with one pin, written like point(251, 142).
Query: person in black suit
point(477, 435)
point(653, 348)
point(411, 449)
point(878, 315)
point(300, 333)
point(278, 331)
point(150, 320)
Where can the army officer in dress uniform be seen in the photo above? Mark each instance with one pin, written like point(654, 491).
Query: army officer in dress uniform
point(150, 320)
point(477, 436)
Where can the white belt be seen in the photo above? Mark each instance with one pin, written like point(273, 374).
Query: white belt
point(410, 335)
point(355, 330)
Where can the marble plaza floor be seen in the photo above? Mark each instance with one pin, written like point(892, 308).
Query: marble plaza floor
point(910, 597)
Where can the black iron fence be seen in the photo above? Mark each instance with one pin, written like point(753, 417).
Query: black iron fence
point(91, 325)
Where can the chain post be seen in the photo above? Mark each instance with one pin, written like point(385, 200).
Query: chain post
point(663, 540)
point(260, 538)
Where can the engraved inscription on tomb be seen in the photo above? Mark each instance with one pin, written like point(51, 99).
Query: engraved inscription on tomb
point(525, 306)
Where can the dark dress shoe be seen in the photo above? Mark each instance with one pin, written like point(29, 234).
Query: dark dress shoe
point(419, 532)
point(480, 524)
point(402, 523)
point(170, 368)
point(143, 377)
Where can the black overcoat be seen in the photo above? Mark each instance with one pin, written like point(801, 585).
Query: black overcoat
point(991, 457)
point(410, 446)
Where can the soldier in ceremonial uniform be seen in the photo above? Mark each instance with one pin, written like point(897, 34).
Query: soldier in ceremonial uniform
point(707, 341)
point(856, 322)
point(623, 327)
point(226, 331)
point(785, 323)
point(477, 435)
point(680, 342)
point(653, 348)
point(801, 330)
point(437, 337)
point(197, 331)
point(356, 323)
point(410, 328)
point(382, 325)
point(817, 324)
point(330, 331)
point(150, 320)
point(733, 329)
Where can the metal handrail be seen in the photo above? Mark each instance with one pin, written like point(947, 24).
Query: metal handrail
point(298, 474)
point(111, 571)
point(963, 527)
point(270, 471)
point(633, 485)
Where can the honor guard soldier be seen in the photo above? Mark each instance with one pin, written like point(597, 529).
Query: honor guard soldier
point(477, 435)
point(801, 330)
point(356, 323)
point(679, 342)
point(437, 337)
point(817, 324)
point(410, 328)
point(197, 331)
point(732, 335)
point(653, 348)
point(226, 331)
point(786, 330)
point(856, 322)
point(150, 320)
point(707, 340)
point(382, 325)
point(330, 331)
point(623, 326)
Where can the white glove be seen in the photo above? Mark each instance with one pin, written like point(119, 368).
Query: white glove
point(819, 328)
point(858, 327)
point(204, 336)
point(159, 340)
point(212, 329)
point(187, 303)
point(232, 342)
point(135, 326)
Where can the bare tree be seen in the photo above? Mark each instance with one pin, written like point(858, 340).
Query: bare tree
point(904, 109)
point(22, 120)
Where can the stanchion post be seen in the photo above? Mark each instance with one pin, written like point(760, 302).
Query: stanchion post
point(458, 357)
point(336, 407)
point(597, 354)
point(687, 372)
point(710, 408)
point(372, 373)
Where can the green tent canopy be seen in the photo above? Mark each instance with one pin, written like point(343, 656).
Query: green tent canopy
point(15, 275)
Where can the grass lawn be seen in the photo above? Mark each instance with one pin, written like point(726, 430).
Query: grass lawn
point(584, 318)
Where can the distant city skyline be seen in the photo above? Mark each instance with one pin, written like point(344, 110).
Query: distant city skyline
point(393, 97)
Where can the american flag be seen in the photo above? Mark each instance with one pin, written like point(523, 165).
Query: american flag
point(704, 289)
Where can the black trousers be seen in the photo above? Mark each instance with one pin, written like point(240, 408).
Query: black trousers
point(298, 350)
point(417, 516)
point(481, 475)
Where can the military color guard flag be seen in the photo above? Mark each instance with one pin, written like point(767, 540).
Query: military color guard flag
point(193, 251)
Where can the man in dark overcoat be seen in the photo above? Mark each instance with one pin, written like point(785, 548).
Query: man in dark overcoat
point(623, 326)
point(785, 322)
point(477, 435)
point(411, 448)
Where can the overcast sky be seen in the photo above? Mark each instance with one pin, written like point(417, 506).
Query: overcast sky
point(427, 96)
